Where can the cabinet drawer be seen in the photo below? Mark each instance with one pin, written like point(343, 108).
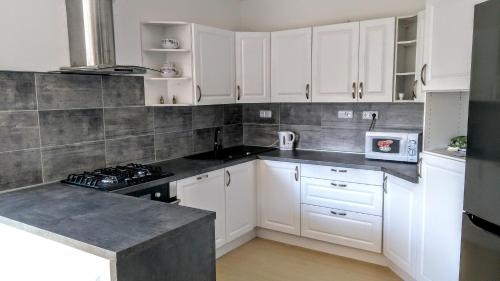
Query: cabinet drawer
point(342, 174)
point(342, 227)
point(353, 197)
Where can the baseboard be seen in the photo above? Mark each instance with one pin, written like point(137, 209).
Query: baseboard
point(325, 247)
point(402, 274)
point(226, 248)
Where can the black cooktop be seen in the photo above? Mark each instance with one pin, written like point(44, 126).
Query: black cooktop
point(113, 178)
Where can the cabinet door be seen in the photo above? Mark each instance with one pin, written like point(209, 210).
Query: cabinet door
point(291, 65)
point(279, 196)
point(443, 184)
point(253, 67)
point(206, 192)
point(214, 65)
point(400, 242)
point(376, 60)
point(241, 203)
point(335, 62)
point(448, 44)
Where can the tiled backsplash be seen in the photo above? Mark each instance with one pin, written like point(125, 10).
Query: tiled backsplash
point(318, 126)
point(52, 125)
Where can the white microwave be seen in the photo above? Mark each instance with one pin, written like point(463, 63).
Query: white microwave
point(393, 146)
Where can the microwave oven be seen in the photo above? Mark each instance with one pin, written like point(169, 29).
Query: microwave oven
point(393, 146)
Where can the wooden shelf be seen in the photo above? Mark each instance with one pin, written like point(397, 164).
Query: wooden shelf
point(167, 78)
point(168, 50)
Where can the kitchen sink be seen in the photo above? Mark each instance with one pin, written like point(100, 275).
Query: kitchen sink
point(229, 154)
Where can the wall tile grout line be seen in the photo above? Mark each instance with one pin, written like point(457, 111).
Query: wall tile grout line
point(104, 126)
point(39, 127)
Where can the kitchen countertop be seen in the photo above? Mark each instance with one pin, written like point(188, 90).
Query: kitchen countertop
point(106, 224)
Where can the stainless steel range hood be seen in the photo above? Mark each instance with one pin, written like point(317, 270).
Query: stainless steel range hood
point(91, 39)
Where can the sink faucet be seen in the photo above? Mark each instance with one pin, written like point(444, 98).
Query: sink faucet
point(217, 145)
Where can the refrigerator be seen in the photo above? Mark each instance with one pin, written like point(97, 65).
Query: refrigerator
point(480, 246)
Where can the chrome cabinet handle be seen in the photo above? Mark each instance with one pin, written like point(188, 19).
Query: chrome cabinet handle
point(296, 173)
point(202, 177)
point(228, 178)
point(338, 214)
point(361, 90)
point(339, 171)
point(414, 89)
point(339, 185)
point(353, 90)
point(423, 77)
point(238, 91)
point(199, 93)
point(307, 91)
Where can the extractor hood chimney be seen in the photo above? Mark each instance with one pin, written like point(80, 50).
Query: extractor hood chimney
point(91, 39)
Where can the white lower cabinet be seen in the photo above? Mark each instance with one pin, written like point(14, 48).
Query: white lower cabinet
point(279, 196)
point(401, 205)
point(206, 192)
point(241, 203)
point(342, 227)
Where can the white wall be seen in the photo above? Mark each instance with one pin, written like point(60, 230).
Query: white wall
point(269, 15)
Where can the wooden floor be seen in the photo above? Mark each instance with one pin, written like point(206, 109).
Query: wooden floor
point(264, 260)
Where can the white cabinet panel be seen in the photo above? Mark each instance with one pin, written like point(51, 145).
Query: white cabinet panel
point(214, 65)
point(348, 196)
point(279, 196)
point(342, 227)
point(291, 65)
point(342, 174)
point(253, 67)
point(206, 192)
point(376, 60)
point(443, 181)
point(400, 224)
point(241, 203)
point(448, 44)
point(335, 62)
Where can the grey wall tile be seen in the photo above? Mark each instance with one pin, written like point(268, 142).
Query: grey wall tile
point(251, 113)
point(233, 135)
point(173, 145)
point(67, 91)
point(123, 90)
point(300, 114)
point(233, 114)
point(17, 90)
point(399, 116)
point(128, 121)
point(203, 139)
point(260, 135)
point(307, 136)
point(338, 139)
point(173, 119)
point(208, 116)
point(128, 150)
point(20, 168)
point(330, 116)
point(58, 127)
point(19, 130)
point(60, 161)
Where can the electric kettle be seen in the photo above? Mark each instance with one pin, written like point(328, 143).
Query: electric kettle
point(286, 140)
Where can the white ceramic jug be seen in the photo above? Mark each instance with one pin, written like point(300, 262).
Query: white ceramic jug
point(286, 139)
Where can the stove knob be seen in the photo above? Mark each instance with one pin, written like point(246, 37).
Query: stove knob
point(157, 194)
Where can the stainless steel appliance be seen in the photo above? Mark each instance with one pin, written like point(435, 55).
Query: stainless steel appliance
point(393, 146)
point(133, 179)
point(480, 251)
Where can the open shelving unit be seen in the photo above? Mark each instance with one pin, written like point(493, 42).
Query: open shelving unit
point(408, 58)
point(153, 56)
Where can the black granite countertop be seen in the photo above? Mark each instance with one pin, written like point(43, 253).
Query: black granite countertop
point(100, 223)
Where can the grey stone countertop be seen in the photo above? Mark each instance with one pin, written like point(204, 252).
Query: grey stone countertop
point(97, 222)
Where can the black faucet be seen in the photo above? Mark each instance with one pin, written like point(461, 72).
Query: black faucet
point(217, 145)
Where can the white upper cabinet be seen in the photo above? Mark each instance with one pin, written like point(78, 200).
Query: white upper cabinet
point(335, 62)
point(291, 65)
point(253, 67)
point(241, 201)
point(214, 65)
point(376, 60)
point(279, 196)
point(448, 44)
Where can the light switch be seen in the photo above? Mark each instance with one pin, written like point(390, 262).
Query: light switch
point(266, 114)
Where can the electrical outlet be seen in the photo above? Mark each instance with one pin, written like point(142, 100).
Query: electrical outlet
point(265, 114)
point(368, 114)
point(345, 114)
